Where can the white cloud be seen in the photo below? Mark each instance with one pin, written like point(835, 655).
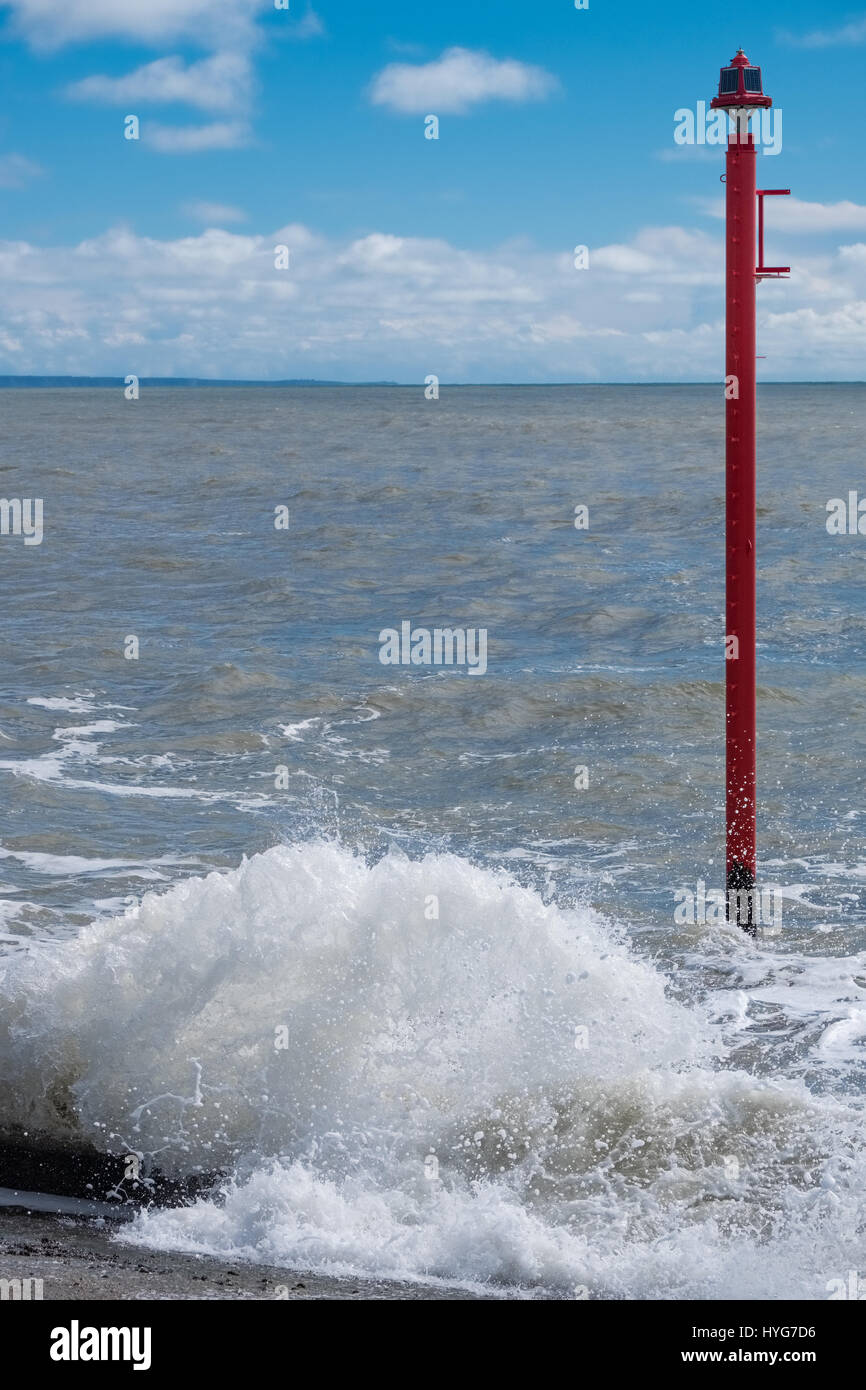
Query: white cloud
point(828, 331)
point(852, 33)
point(213, 214)
point(219, 83)
point(49, 24)
point(384, 306)
point(16, 171)
point(667, 255)
point(192, 139)
point(796, 215)
point(460, 78)
point(793, 214)
point(854, 255)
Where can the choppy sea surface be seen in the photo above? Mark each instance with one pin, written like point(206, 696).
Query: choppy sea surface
point(349, 933)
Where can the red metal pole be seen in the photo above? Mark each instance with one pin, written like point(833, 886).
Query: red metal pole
point(740, 527)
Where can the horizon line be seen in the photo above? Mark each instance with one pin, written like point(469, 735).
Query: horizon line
point(10, 381)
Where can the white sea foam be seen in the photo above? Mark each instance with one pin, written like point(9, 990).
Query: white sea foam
point(76, 751)
point(82, 703)
point(434, 1107)
point(85, 731)
point(293, 732)
point(64, 864)
point(78, 704)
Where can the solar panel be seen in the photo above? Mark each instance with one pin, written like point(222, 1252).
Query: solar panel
point(730, 81)
point(753, 79)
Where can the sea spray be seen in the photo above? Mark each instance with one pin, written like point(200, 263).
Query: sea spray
point(498, 1091)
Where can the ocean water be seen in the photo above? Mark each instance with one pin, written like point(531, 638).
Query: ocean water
point(348, 933)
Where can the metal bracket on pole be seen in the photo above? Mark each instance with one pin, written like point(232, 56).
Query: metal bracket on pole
point(768, 272)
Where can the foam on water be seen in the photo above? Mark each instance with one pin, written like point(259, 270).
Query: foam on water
point(63, 864)
point(80, 747)
point(503, 1092)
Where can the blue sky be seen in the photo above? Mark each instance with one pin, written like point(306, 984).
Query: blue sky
point(261, 126)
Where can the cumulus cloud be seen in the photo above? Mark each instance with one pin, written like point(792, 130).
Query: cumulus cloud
point(49, 24)
point(668, 255)
point(219, 83)
point(457, 80)
point(385, 306)
point(852, 33)
point(16, 171)
point(796, 215)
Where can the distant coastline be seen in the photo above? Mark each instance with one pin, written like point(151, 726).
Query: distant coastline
point(114, 381)
point(37, 382)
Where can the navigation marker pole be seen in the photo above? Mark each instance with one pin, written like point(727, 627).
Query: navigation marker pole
point(740, 95)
